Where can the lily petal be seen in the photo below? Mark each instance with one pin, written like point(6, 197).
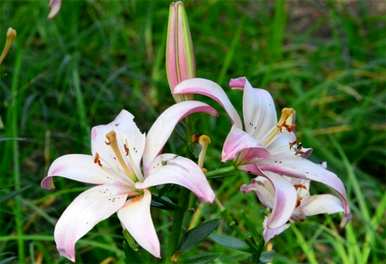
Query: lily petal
point(285, 200)
point(211, 89)
point(135, 217)
point(320, 204)
point(258, 108)
point(130, 141)
point(54, 6)
point(263, 190)
point(77, 167)
point(269, 232)
point(305, 169)
point(170, 168)
point(163, 127)
point(89, 208)
point(238, 142)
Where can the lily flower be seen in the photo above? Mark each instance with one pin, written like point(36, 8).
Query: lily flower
point(54, 6)
point(265, 146)
point(180, 61)
point(301, 204)
point(121, 182)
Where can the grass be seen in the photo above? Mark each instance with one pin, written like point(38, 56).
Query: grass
point(327, 60)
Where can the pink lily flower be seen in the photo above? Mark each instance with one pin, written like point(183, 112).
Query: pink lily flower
point(121, 182)
point(180, 61)
point(267, 147)
point(306, 204)
point(54, 6)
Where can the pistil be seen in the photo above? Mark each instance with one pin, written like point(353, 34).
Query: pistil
point(112, 142)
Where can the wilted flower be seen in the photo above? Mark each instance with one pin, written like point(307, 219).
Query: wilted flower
point(265, 146)
point(180, 62)
point(115, 167)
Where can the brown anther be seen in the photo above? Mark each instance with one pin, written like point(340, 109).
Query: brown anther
point(204, 140)
point(287, 119)
point(97, 159)
point(300, 186)
point(195, 138)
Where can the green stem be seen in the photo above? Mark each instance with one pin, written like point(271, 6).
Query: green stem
point(214, 173)
point(16, 165)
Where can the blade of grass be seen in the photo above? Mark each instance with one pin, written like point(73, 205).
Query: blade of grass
point(304, 245)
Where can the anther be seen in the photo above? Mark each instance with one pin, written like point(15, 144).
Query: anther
point(11, 35)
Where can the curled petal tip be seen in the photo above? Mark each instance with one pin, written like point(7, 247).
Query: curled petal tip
point(47, 183)
point(54, 6)
point(68, 254)
point(237, 83)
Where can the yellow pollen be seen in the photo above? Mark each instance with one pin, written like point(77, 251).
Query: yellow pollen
point(204, 141)
point(11, 35)
point(286, 121)
point(112, 142)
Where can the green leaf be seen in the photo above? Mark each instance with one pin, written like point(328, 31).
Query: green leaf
point(163, 202)
point(197, 234)
point(267, 256)
point(201, 259)
point(229, 241)
point(130, 241)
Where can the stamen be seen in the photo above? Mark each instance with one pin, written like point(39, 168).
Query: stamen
point(11, 35)
point(286, 121)
point(112, 142)
point(204, 141)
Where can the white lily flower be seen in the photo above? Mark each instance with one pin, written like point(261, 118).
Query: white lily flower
point(267, 147)
point(121, 182)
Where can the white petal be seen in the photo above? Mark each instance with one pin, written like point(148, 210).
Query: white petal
point(305, 169)
point(163, 127)
point(88, 209)
point(131, 142)
point(213, 90)
point(285, 200)
point(321, 204)
point(77, 167)
point(170, 168)
point(263, 189)
point(238, 141)
point(258, 110)
point(269, 232)
point(135, 217)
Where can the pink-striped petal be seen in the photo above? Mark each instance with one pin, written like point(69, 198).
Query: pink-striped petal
point(270, 232)
point(320, 204)
point(77, 167)
point(54, 6)
point(135, 217)
point(263, 190)
point(170, 168)
point(285, 200)
point(163, 127)
point(88, 209)
point(213, 90)
point(240, 142)
point(258, 108)
point(305, 169)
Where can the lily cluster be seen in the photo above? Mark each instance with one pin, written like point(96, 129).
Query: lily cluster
point(125, 163)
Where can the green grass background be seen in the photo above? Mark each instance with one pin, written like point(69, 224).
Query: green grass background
point(327, 59)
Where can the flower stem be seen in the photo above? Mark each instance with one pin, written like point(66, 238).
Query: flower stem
point(216, 173)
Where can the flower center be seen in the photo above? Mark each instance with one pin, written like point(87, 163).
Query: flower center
point(112, 142)
point(286, 122)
